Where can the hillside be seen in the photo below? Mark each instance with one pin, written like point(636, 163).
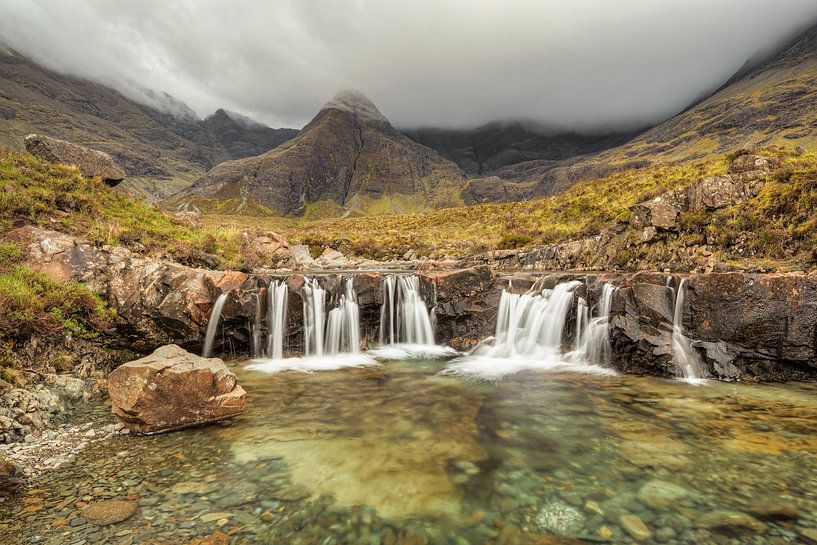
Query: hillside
point(161, 152)
point(485, 149)
point(774, 103)
point(347, 159)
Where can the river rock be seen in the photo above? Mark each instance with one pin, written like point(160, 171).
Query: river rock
point(105, 512)
point(730, 523)
point(560, 518)
point(173, 389)
point(659, 494)
point(774, 511)
point(89, 162)
point(635, 527)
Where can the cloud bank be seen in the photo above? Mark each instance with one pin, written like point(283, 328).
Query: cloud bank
point(578, 64)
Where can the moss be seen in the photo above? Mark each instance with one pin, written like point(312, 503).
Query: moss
point(511, 241)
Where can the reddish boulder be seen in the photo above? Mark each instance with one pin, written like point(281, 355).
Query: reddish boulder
point(173, 389)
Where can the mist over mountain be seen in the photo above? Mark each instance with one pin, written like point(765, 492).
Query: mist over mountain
point(586, 66)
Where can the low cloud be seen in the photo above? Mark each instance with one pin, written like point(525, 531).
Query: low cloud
point(577, 64)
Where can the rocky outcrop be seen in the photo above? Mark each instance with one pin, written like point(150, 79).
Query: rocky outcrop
point(744, 181)
point(89, 162)
point(742, 326)
point(173, 389)
point(466, 304)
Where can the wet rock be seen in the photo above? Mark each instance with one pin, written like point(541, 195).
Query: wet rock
point(560, 518)
point(216, 538)
point(774, 511)
point(105, 512)
point(730, 523)
point(173, 389)
point(659, 494)
point(634, 526)
point(89, 162)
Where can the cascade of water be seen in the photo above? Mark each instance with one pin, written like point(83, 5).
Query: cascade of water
point(593, 340)
point(277, 298)
point(343, 325)
point(212, 325)
point(688, 364)
point(404, 316)
point(256, 349)
point(314, 298)
point(530, 325)
point(582, 318)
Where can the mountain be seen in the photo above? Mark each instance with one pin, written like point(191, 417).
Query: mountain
point(348, 159)
point(765, 103)
point(485, 149)
point(161, 150)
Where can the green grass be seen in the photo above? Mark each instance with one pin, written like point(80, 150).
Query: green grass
point(36, 307)
point(34, 192)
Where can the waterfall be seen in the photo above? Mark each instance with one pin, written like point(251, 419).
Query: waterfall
point(404, 316)
point(688, 364)
point(277, 298)
point(529, 335)
point(343, 325)
point(593, 336)
point(212, 325)
point(528, 325)
point(255, 330)
point(314, 298)
point(331, 340)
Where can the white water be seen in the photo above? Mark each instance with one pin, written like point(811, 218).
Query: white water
point(528, 335)
point(277, 298)
point(331, 340)
point(314, 298)
point(593, 335)
point(688, 365)
point(404, 316)
point(343, 325)
point(212, 325)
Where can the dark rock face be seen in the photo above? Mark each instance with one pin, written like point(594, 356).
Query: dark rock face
point(242, 137)
point(742, 326)
point(172, 389)
point(89, 162)
point(762, 325)
point(467, 302)
point(348, 154)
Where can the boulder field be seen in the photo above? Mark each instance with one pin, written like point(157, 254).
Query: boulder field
point(742, 325)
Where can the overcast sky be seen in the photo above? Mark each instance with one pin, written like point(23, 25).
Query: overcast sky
point(579, 64)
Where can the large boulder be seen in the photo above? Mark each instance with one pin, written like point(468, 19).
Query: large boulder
point(89, 162)
point(173, 389)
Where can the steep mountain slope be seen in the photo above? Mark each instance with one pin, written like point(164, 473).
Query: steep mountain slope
point(348, 158)
point(482, 150)
point(156, 149)
point(771, 104)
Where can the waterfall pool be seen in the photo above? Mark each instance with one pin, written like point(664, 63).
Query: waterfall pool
point(400, 454)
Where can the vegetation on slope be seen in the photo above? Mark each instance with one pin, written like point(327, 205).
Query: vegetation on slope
point(34, 192)
point(40, 318)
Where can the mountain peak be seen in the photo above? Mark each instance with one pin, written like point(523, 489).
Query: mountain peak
point(357, 103)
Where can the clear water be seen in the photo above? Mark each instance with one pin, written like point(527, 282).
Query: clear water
point(399, 454)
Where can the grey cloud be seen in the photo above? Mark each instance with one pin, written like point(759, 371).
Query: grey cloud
point(579, 64)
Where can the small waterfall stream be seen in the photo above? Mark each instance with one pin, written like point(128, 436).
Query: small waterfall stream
point(529, 335)
point(404, 316)
point(688, 365)
point(343, 325)
point(212, 325)
point(277, 299)
point(593, 335)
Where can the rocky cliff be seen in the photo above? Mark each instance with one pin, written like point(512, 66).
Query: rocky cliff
point(348, 158)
